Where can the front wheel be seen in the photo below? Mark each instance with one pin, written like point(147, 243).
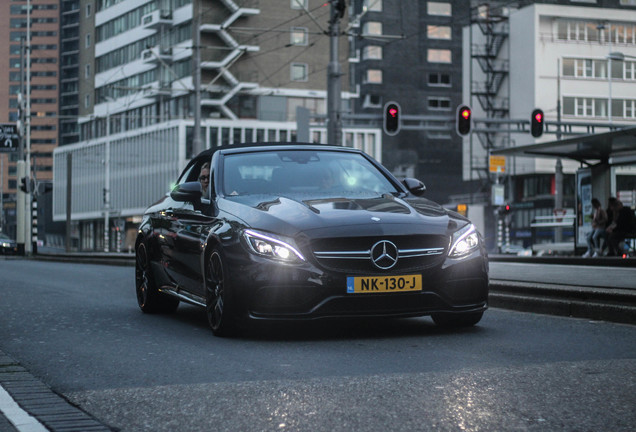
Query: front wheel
point(149, 298)
point(457, 319)
point(218, 296)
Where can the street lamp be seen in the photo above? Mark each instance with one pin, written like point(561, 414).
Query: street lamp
point(107, 177)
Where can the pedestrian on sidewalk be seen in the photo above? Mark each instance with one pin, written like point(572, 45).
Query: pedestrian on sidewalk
point(622, 225)
point(596, 237)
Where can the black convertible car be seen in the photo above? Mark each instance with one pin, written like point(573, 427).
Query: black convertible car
point(300, 231)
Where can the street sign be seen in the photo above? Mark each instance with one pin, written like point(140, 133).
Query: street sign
point(497, 164)
point(497, 193)
point(8, 137)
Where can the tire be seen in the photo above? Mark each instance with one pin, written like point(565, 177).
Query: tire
point(457, 319)
point(149, 299)
point(219, 307)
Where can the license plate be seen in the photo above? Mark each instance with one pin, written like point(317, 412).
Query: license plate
point(378, 284)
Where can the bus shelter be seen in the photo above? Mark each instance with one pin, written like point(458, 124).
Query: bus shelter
point(608, 168)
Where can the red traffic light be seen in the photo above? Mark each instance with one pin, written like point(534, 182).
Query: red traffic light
point(536, 123)
point(463, 120)
point(391, 121)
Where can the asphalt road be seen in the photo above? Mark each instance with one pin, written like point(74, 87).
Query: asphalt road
point(78, 329)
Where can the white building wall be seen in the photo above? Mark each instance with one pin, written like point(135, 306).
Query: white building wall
point(144, 163)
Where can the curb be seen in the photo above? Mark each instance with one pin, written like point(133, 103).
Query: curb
point(52, 410)
point(95, 258)
point(603, 304)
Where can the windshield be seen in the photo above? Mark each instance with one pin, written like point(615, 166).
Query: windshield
point(303, 173)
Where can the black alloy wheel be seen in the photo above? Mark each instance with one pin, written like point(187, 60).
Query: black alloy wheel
point(458, 319)
point(149, 298)
point(218, 304)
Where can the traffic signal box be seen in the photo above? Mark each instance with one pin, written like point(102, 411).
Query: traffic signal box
point(536, 123)
point(392, 122)
point(463, 120)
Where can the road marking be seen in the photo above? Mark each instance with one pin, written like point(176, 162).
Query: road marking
point(21, 419)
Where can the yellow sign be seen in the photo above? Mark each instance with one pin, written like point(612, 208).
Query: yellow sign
point(497, 164)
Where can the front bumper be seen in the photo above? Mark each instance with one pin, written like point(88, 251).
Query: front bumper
point(265, 290)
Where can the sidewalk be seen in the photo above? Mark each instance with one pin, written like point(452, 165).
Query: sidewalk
point(28, 405)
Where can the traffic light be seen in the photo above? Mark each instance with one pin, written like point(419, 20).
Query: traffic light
point(462, 209)
point(24, 184)
point(391, 118)
point(536, 123)
point(463, 120)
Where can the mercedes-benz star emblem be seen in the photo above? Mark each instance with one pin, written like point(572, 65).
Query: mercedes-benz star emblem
point(384, 254)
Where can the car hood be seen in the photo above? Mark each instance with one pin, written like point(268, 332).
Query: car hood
point(319, 217)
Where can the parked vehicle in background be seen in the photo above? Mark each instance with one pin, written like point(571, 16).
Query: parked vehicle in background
point(8, 246)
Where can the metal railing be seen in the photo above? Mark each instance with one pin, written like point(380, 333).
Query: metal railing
point(554, 234)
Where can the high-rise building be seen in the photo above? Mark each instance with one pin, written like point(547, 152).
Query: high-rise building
point(259, 62)
point(69, 70)
point(44, 67)
point(410, 52)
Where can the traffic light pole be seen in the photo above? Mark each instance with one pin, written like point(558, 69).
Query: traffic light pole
point(23, 201)
point(334, 118)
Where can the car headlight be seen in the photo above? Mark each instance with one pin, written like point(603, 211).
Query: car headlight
point(464, 241)
point(270, 247)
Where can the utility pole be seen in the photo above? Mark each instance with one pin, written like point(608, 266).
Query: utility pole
point(197, 145)
point(334, 104)
point(28, 247)
point(107, 185)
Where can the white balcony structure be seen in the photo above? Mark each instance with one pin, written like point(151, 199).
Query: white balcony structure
point(157, 54)
point(157, 19)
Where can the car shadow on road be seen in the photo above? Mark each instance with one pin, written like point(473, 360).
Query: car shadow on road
point(330, 329)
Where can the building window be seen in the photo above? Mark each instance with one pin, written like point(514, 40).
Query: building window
point(438, 56)
point(438, 32)
point(88, 10)
point(88, 41)
point(589, 31)
point(87, 71)
point(372, 52)
point(439, 8)
point(372, 101)
point(594, 107)
point(439, 104)
point(372, 5)
point(299, 4)
point(87, 101)
point(299, 36)
point(373, 76)
point(372, 28)
point(591, 68)
point(439, 80)
point(299, 71)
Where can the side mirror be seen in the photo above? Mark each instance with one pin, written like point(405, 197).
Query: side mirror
point(414, 186)
point(187, 192)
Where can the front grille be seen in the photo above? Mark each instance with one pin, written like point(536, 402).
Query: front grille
point(353, 255)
